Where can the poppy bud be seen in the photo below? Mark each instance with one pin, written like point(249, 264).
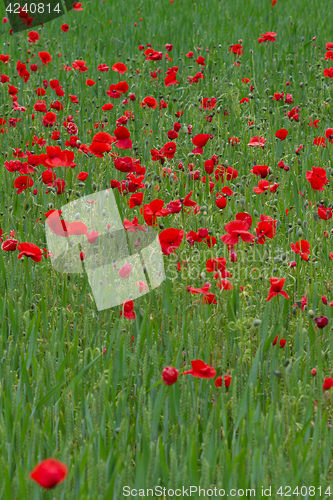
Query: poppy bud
point(170, 375)
point(311, 313)
point(313, 372)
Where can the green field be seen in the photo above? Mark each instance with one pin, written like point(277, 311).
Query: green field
point(84, 386)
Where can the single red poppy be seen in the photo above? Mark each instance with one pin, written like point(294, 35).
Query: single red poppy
point(23, 182)
point(127, 309)
point(276, 288)
point(122, 135)
point(281, 134)
point(237, 229)
point(30, 250)
point(302, 249)
point(328, 384)
point(45, 57)
point(120, 68)
point(201, 370)
point(170, 239)
point(317, 178)
point(49, 473)
point(9, 245)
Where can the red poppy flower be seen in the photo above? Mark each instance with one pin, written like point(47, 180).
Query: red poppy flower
point(23, 182)
point(123, 138)
point(265, 229)
point(217, 265)
point(314, 124)
point(209, 103)
point(33, 37)
point(231, 173)
point(150, 102)
point(172, 134)
point(49, 119)
point(276, 288)
point(236, 49)
point(170, 375)
point(99, 148)
point(49, 473)
point(277, 96)
point(221, 201)
point(328, 72)
point(227, 381)
point(48, 177)
point(321, 321)
point(200, 61)
point(170, 79)
point(126, 164)
point(237, 229)
point(77, 6)
point(30, 250)
point(317, 178)
point(264, 185)
point(233, 140)
point(319, 141)
point(135, 200)
point(133, 226)
point(153, 210)
point(64, 28)
point(120, 68)
point(82, 176)
point(261, 170)
point(170, 239)
point(201, 370)
point(45, 57)
point(107, 107)
point(328, 384)
point(269, 36)
point(303, 250)
point(245, 99)
point(257, 141)
point(57, 158)
point(281, 134)
point(324, 213)
point(115, 91)
point(9, 245)
point(153, 55)
point(90, 82)
point(169, 150)
point(127, 310)
point(102, 67)
point(282, 342)
point(200, 140)
point(244, 216)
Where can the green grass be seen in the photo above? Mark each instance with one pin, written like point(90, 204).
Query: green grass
point(108, 416)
